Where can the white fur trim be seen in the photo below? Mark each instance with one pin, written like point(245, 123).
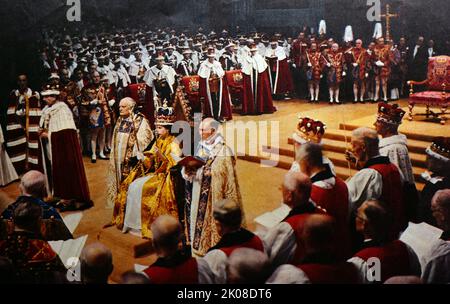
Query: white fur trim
point(33, 160)
point(18, 158)
point(13, 127)
point(33, 145)
point(16, 142)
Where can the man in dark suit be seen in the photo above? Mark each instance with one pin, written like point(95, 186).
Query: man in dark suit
point(431, 50)
point(418, 62)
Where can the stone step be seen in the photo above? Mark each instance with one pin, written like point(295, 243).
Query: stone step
point(341, 167)
point(414, 145)
point(409, 135)
point(338, 148)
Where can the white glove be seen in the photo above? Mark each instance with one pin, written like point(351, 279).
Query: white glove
point(379, 63)
point(366, 75)
point(94, 102)
point(20, 112)
point(294, 65)
point(328, 64)
point(140, 156)
point(355, 64)
point(344, 73)
point(309, 64)
point(111, 102)
point(321, 76)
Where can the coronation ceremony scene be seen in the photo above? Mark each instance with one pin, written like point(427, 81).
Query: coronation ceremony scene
point(225, 142)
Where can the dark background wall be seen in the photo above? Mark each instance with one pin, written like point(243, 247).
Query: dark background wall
point(22, 21)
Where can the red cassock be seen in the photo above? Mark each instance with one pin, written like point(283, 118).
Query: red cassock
point(297, 222)
point(282, 83)
point(191, 86)
point(143, 95)
point(239, 239)
point(182, 270)
point(394, 259)
point(224, 103)
point(257, 98)
point(335, 201)
point(392, 193)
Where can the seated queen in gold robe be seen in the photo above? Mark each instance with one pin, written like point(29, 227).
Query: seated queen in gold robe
point(152, 194)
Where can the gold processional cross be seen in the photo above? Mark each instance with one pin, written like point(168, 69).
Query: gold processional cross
point(388, 17)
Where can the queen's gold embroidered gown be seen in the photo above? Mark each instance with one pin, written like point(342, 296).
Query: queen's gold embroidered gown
point(148, 191)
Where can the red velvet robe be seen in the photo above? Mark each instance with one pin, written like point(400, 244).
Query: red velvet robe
point(66, 174)
point(263, 102)
point(67, 157)
point(225, 102)
point(283, 84)
point(191, 89)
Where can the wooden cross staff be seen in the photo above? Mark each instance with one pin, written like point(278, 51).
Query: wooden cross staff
point(388, 17)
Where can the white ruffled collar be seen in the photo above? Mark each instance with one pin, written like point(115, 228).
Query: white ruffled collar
point(395, 139)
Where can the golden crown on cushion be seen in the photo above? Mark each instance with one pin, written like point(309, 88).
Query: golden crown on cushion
point(309, 130)
point(165, 115)
point(392, 114)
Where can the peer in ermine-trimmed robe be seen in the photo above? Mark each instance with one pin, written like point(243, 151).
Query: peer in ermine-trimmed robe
point(161, 78)
point(257, 97)
point(213, 90)
point(280, 74)
point(61, 152)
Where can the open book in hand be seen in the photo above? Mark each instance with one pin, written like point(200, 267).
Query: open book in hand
point(192, 161)
point(421, 237)
point(272, 218)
